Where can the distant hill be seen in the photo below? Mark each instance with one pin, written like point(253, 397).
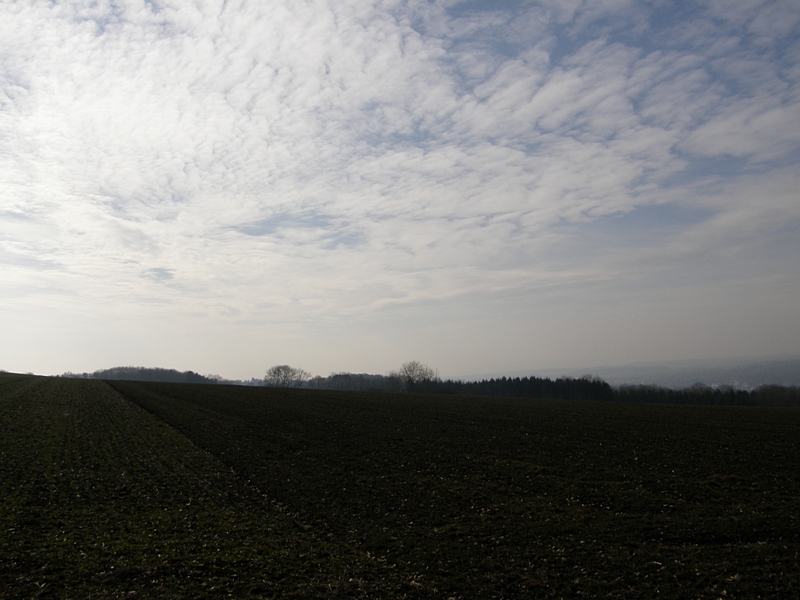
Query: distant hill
point(145, 374)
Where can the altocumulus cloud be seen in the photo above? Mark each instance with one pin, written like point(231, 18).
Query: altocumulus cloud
point(368, 169)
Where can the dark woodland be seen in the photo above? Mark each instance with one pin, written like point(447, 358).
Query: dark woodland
point(566, 388)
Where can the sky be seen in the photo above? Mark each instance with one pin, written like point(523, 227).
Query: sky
point(223, 186)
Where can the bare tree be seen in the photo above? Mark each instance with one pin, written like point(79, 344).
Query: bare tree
point(286, 376)
point(414, 373)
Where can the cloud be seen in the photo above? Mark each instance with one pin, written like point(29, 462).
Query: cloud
point(751, 129)
point(316, 160)
point(159, 274)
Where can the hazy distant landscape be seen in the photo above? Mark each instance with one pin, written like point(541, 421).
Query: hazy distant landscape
point(745, 374)
point(767, 383)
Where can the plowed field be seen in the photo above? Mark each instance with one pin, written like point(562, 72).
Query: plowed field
point(169, 490)
point(99, 499)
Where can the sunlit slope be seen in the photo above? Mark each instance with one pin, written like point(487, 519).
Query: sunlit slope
point(99, 499)
point(513, 498)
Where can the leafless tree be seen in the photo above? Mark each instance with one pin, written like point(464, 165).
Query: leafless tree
point(286, 376)
point(414, 373)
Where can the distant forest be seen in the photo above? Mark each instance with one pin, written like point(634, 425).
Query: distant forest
point(566, 388)
point(592, 388)
point(145, 374)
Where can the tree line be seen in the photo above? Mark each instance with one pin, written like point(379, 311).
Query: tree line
point(146, 374)
point(416, 377)
point(699, 394)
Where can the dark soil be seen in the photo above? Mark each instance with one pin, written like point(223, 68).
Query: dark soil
point(102, 500)
point(282, 493)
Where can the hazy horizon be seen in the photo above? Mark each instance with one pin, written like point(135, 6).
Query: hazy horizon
point(739, 372)
point(480, 186)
